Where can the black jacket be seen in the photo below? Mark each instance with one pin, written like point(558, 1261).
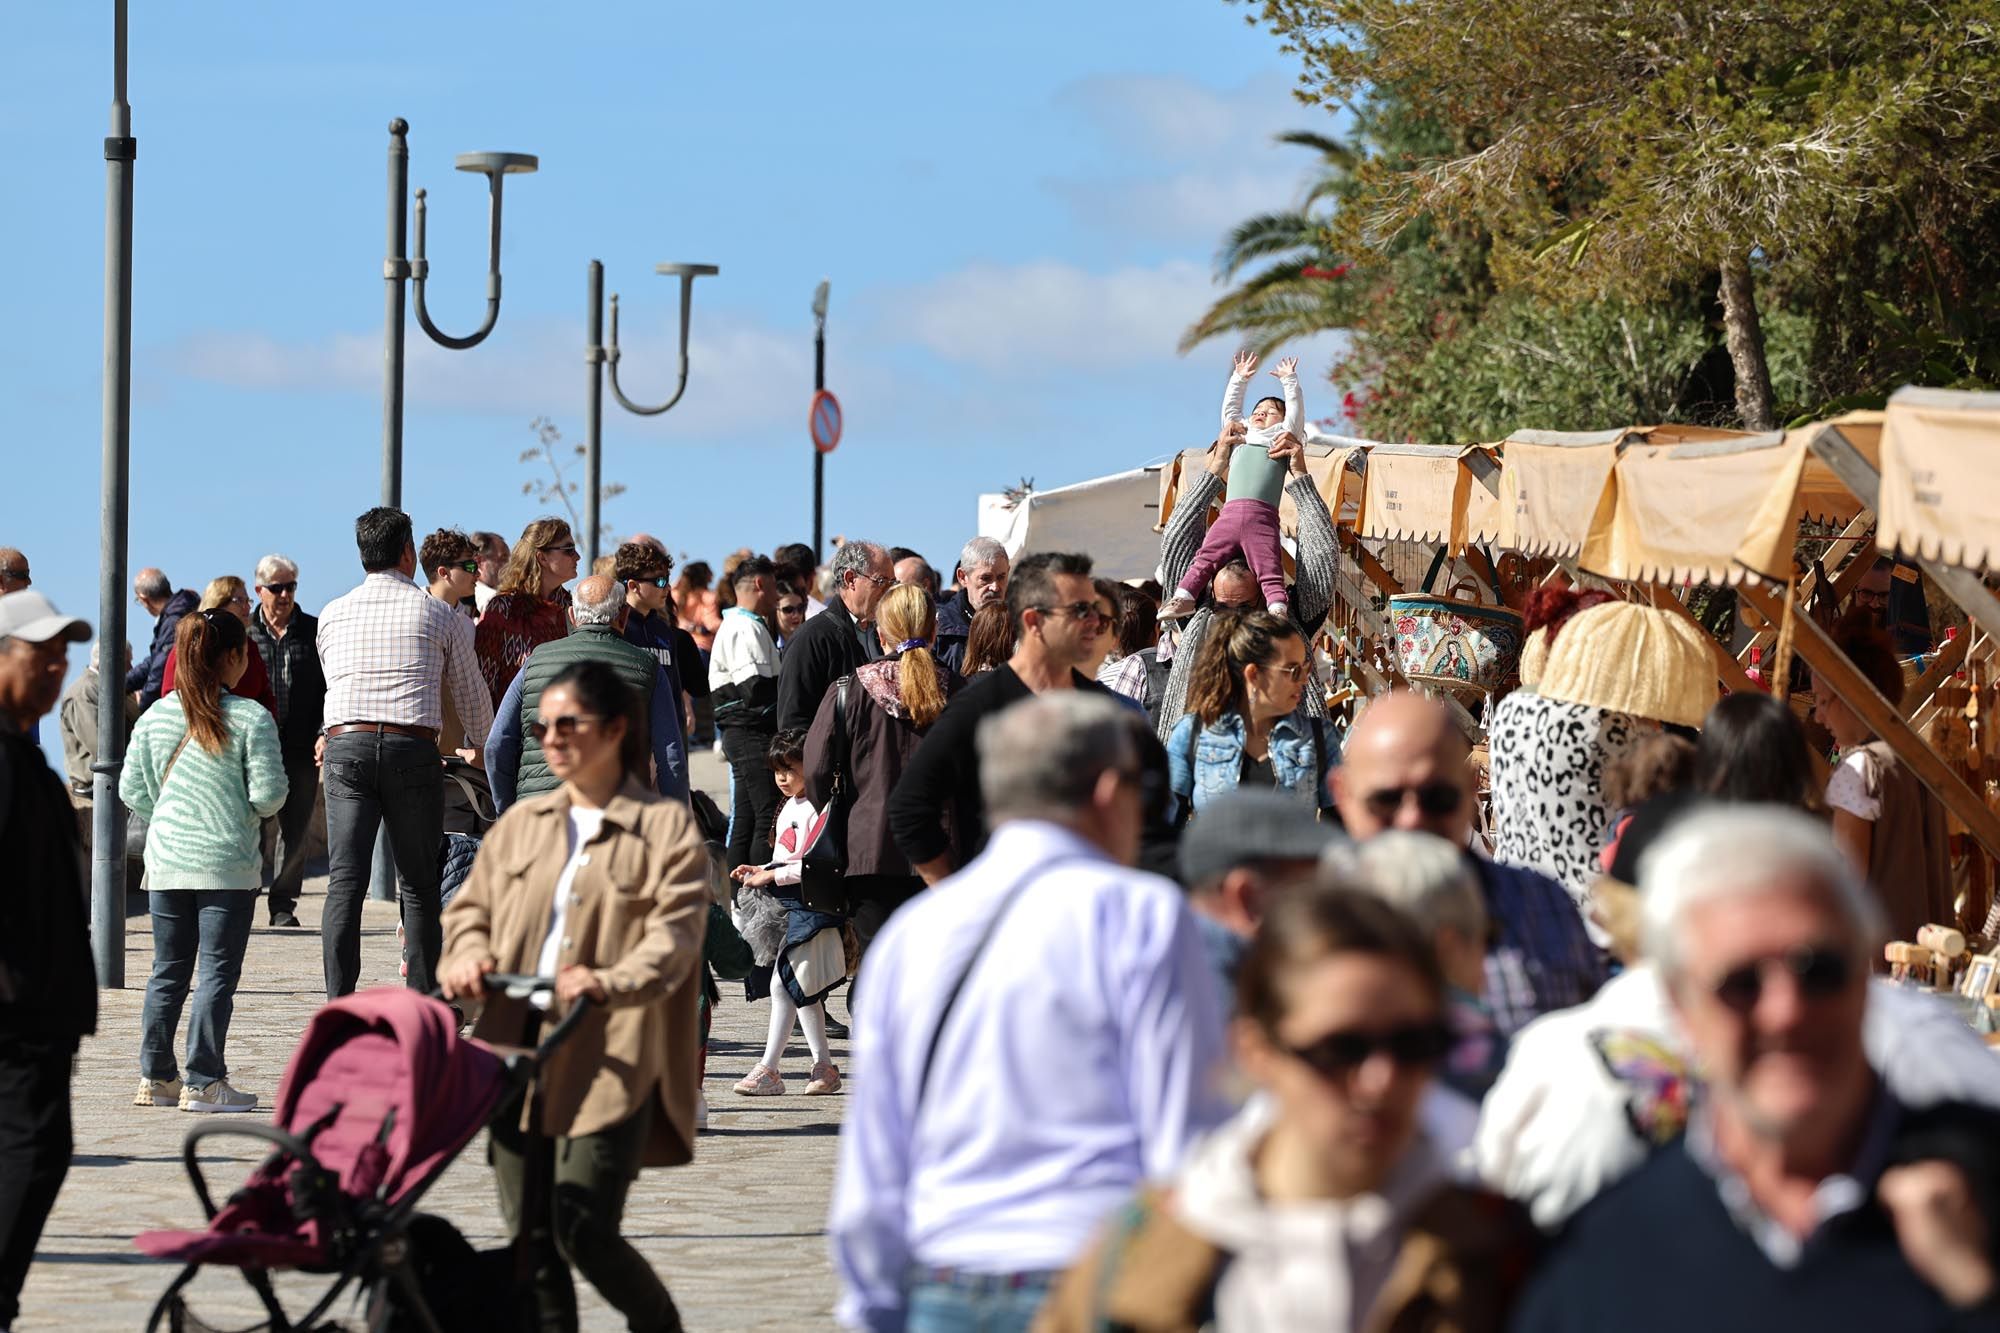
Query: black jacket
point(941, 780)
point(48, 983)
point(954, 627)
point(827, 647)
point(296, 679)
point(148, 672)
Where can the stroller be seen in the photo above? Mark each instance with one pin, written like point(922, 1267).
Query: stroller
point(381, 1095)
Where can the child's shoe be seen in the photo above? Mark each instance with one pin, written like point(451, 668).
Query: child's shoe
point(1279, 609)
point(760, 1082)
point(1178, 607)
point(825, 1080)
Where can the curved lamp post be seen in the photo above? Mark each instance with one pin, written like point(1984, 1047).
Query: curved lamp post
point(596, 355)
point(496, 167)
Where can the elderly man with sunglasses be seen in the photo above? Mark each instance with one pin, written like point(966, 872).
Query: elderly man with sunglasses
point(1405, 765)
point(836, 641)
point(288, 641)
point(1805, 1192)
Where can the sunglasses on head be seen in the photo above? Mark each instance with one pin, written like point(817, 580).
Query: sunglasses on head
point(1338, 1054)
point(1820, 971)
point(18, 575)
point(282, 589)
point(1433, 798)
point(563, 727)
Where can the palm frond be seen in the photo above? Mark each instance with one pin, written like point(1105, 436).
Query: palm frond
point(1338, 155)
point(1264, 236)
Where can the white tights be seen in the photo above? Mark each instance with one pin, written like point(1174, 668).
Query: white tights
point(812, 1018)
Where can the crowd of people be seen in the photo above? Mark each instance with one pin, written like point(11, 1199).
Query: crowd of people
point(1176, 1001)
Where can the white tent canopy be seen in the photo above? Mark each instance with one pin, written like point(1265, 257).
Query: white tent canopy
point(1111, 518)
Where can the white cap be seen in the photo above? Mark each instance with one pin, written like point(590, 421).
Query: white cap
point(32, 617)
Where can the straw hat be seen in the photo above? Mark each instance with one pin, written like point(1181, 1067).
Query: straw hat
point(1633, 659)
point(1534, 657)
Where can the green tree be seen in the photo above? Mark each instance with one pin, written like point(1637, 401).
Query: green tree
point(1632, 151)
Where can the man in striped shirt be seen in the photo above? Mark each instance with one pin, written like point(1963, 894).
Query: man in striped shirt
point(389, 651)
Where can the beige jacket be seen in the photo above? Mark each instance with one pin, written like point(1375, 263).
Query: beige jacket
point(636, 914)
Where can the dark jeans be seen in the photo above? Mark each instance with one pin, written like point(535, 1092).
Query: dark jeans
point(753, 795)
point(873, 899)
point(373, 781)
point(34, 1155)
point(976, 1302)
point(188, 926)
point(286, 860)
point(584, 1181)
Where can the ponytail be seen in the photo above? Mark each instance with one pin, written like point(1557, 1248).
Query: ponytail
point(906, 620)
point(201, 645)
point(1235, 640)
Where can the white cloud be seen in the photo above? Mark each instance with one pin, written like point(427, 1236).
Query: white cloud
point(1187, 161)
point(529, 367)
point(1046, 315)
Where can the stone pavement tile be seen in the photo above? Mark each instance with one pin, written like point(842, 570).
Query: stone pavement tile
point(738, 1235)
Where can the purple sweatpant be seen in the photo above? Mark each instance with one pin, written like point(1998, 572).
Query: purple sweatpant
point(1249, 526)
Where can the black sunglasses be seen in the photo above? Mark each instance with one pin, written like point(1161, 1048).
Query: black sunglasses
point(1078, 611)
point(1339, 1054)
point(555, 550)
point(1820, 971)
point(18, 575)
point(281, 588)
point(1433, 798)
point(562, 727)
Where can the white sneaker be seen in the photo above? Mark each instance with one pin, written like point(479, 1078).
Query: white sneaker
point(158, 1092)
point(217, 1097)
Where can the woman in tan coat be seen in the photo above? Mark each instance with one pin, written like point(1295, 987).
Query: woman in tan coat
point(604, 886)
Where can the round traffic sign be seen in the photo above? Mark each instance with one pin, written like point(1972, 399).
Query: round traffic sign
point(825, 421)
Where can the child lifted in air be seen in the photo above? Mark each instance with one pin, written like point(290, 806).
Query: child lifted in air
point(1249, 521)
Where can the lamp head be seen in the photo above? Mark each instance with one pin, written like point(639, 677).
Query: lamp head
point(819, 299)
point(499, 164)
point(686, 270)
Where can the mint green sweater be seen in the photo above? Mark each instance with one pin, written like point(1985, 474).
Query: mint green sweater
point(204, 829)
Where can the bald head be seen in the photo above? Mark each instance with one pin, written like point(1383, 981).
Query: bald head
point(599, 599)
point(1404, 767)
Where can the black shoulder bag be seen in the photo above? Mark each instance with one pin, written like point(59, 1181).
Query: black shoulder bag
point(823, 868)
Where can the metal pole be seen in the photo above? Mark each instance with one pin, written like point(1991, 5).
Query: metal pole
point(819, 459)
point(395, 268)
point(107, 857)
point(593, 407)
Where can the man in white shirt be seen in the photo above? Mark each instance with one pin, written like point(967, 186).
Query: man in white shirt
point(1038, 1036)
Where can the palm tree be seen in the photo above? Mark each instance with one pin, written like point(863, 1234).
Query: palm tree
point(1301, 293)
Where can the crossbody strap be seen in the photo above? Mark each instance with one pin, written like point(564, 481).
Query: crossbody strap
point(167, 772)
point(841, 756)
point(965, 973)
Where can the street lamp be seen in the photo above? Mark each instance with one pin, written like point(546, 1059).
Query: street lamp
point(496, 167)
point(596, 355)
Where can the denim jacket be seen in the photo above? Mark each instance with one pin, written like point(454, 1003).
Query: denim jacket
point(1205, 766)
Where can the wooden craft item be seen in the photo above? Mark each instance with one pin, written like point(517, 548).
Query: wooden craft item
point(1942, 940)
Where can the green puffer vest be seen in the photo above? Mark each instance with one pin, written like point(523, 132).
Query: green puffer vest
point(585, 643)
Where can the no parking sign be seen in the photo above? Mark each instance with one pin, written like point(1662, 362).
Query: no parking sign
point(825, 421)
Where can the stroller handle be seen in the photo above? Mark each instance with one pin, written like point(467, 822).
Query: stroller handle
point(521, 986)
point(287, 1144)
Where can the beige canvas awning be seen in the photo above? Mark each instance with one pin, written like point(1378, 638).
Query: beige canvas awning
point(1327, 465)
point(1691, 504)
point(1425, 493)
point(1555, 486)
point(1940, 463)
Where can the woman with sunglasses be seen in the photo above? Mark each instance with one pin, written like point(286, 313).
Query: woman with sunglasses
point(603, 885)
point(1246, 724)
point(1324, 1204)
point(205, 770)
point(229, 593)
point(532, 606)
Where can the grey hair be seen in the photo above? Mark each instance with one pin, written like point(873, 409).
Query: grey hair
point(1741, 851)
point(271, 565)
point(155, 586)
point(599, 612)
point(980, 551)
point(1421, 875)
point(1041, 758)
point(856, 556)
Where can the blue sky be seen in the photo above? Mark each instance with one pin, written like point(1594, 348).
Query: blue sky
point(1017, 206)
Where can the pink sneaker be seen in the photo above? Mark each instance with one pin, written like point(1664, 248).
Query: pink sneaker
point(760, 1082)
point(825, 1080)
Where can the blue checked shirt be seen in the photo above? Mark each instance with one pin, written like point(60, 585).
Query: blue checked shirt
point(1541, 958)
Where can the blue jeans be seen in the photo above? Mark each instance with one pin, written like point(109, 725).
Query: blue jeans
point(213, 927)
point(976, 1302)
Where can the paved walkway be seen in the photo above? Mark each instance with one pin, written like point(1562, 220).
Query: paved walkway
point(738, 1235)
